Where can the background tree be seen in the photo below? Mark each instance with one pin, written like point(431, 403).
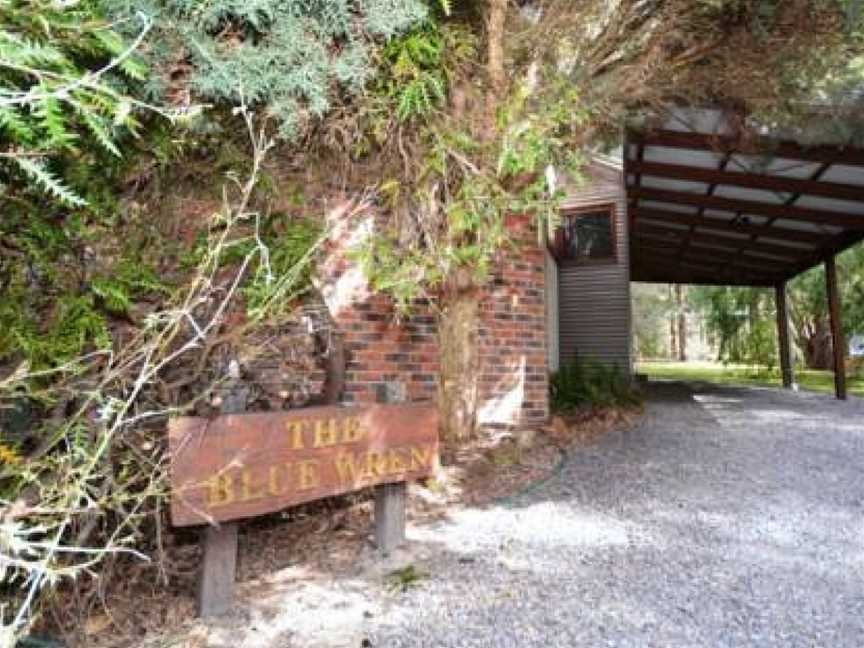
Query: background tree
point(741, 321)
point(809, 308)
point(651, 307)
point(681, 314)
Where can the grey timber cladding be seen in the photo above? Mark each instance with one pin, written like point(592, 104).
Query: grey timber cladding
point(594, 299)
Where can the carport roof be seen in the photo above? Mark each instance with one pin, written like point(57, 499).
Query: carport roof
point(709, 207)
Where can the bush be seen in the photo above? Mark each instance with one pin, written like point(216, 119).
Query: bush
point(581, 383)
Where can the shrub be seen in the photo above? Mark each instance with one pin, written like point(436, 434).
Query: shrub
point(580, 383)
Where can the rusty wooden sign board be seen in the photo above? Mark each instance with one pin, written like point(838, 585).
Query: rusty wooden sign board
point(242, 465)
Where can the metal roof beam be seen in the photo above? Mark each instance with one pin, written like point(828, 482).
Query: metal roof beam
point(662, 269)
point(797, 236)
point(727, 242)
point(757, 146)
point(780, 184)
point(805, 214)
point(709, 257)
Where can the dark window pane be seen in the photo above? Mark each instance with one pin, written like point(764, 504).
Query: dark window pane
point(588, 236)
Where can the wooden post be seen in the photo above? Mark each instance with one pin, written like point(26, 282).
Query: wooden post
point(838, 345)
point(783, 341)
point(218, 567)
point(390, 499)
point(219, 543)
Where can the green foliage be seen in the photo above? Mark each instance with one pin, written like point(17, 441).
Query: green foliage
point(288, 243)
point(582, 383)
point(537, 126)
point(464, 229)
point(401, 580)
point(295, 59)
point(50, 310)
point(417, 84)
point(76, 326)
point(741, 321)
point(809, 299)
point(416, 69)
point(128, 280)
point(652, 308)
point(60, 67)
point(469, 232)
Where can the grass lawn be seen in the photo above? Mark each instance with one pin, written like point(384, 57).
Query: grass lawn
point(743, 375)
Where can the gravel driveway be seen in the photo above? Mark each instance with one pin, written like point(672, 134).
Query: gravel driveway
point(728, 517)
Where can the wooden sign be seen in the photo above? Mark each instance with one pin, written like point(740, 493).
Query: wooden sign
point(242, 465)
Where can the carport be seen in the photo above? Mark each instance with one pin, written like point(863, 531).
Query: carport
point(711, 204)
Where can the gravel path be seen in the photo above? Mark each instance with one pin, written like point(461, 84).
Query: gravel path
point(729, 517)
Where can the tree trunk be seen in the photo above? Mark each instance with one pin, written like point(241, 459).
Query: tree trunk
point(459, 372)
point(495, 20)
point(673, 330)
point(458, 320)
point(682, 323)
point(815, 343)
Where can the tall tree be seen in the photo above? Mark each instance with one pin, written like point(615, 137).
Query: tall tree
point(681, 312)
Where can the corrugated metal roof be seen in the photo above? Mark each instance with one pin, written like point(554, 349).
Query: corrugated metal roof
point(695, 177)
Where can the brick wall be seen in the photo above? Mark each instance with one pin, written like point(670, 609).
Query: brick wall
point(514, 375)
point(382, 348)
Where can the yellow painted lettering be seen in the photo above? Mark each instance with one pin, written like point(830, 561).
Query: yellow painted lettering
point(295, 430)
point(422, 457)
point(396, 462)
point(307, 472)
point(376, 463)
point(325, 433)
point(220, 490)
point(347, 467)
point(352, 430)
point(273, 487)
point(249, 491)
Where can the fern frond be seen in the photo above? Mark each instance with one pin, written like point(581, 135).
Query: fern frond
point(113, 44)
point(99, 128)
point(15, 124)
point(113, 295)
point(49, 113)
point(49, 183)
point(22, 51)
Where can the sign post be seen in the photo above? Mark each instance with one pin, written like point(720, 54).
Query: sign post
point(243, 465)
point(390, 499)
point(219, 544)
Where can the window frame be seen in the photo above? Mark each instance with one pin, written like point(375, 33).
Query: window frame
point(575, 212)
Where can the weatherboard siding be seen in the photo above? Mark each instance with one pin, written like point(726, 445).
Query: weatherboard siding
point(594, 299)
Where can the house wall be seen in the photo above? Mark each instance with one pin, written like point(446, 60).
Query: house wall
point(594, 299)
point(553, 333)
point(514, 373)
point(384, 350)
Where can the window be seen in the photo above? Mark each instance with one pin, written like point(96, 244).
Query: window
point(587, 236)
